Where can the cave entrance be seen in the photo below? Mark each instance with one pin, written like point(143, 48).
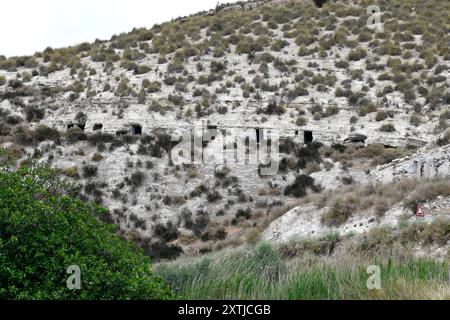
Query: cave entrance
point(97, 127)
point(122, 133)
point(308, 137)
point(209, 134)
point(136, 130)
point(213, 132)
point(320, 3)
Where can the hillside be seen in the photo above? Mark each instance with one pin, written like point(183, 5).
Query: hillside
point(103, 114)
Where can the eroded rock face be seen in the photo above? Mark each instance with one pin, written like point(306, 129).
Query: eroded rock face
point(430, 162)
point(304, 222)
point(425, 164)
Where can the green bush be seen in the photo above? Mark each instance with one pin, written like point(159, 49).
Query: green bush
point(34, 114)
point(301, 121)
point(272, 108)
point(89, 171)
point(277, 45)
point(43, 235)
point(340, 211)
point(357, 54)
point(415, 120)
point(43, 133)
point(175, 67)
point(381, 115)
point(248, 45)
point(176, 99)
point(123, 88)
point(151, 87)
point(387, 128)
point(2, 80)
point(300, 186)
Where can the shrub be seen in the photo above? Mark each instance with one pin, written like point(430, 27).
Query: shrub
point(123, 89)
point(137, 179)
point(71, 172)
point(213, 196)
point(301, 121)
point(439, 68)
point(213, 234)
point(29, 271)
point(2, 80)
point(23, 136)
point(142, 69)
point(357, 54)
point(43, 133)
point(34, 114)
point(307, 154)
point(161, 250)
point(272, 108)
point(176, 99)
point(199, 224)
point(151, 87)
point(13, 120)
point(299, 187)
point(162, 60)
point(89, 171)
point(342, 64)
point(4, 129)
point(340, 211)
point(381, 115)
point(242, 214)
point(248, 45)
point(221, 173)
point(175, 67)
point(170, 80)
point(97, 157)
point(415, 120)
point(167, 233)
point(387, 128)
point(278, 44)
point(217, 66)
point(97, 138)
point(444, 140)
point(298, 91)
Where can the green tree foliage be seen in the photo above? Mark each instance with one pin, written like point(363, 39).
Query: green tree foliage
point(44, 231)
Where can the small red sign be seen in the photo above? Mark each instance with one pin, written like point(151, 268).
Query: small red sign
point(419, 211)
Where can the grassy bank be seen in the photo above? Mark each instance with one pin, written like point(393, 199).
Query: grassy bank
point(263, 273)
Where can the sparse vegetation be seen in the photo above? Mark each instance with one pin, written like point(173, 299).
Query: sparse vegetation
point(387, 127)
point(300, 186)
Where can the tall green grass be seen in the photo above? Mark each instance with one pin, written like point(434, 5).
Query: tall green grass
point(261, 273)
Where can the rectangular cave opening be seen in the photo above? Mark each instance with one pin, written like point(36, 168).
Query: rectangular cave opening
point(258, 135)
point(122, 133)
point(97, 127)
point(308, 137)
point(213, 132)
point(136, 130)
